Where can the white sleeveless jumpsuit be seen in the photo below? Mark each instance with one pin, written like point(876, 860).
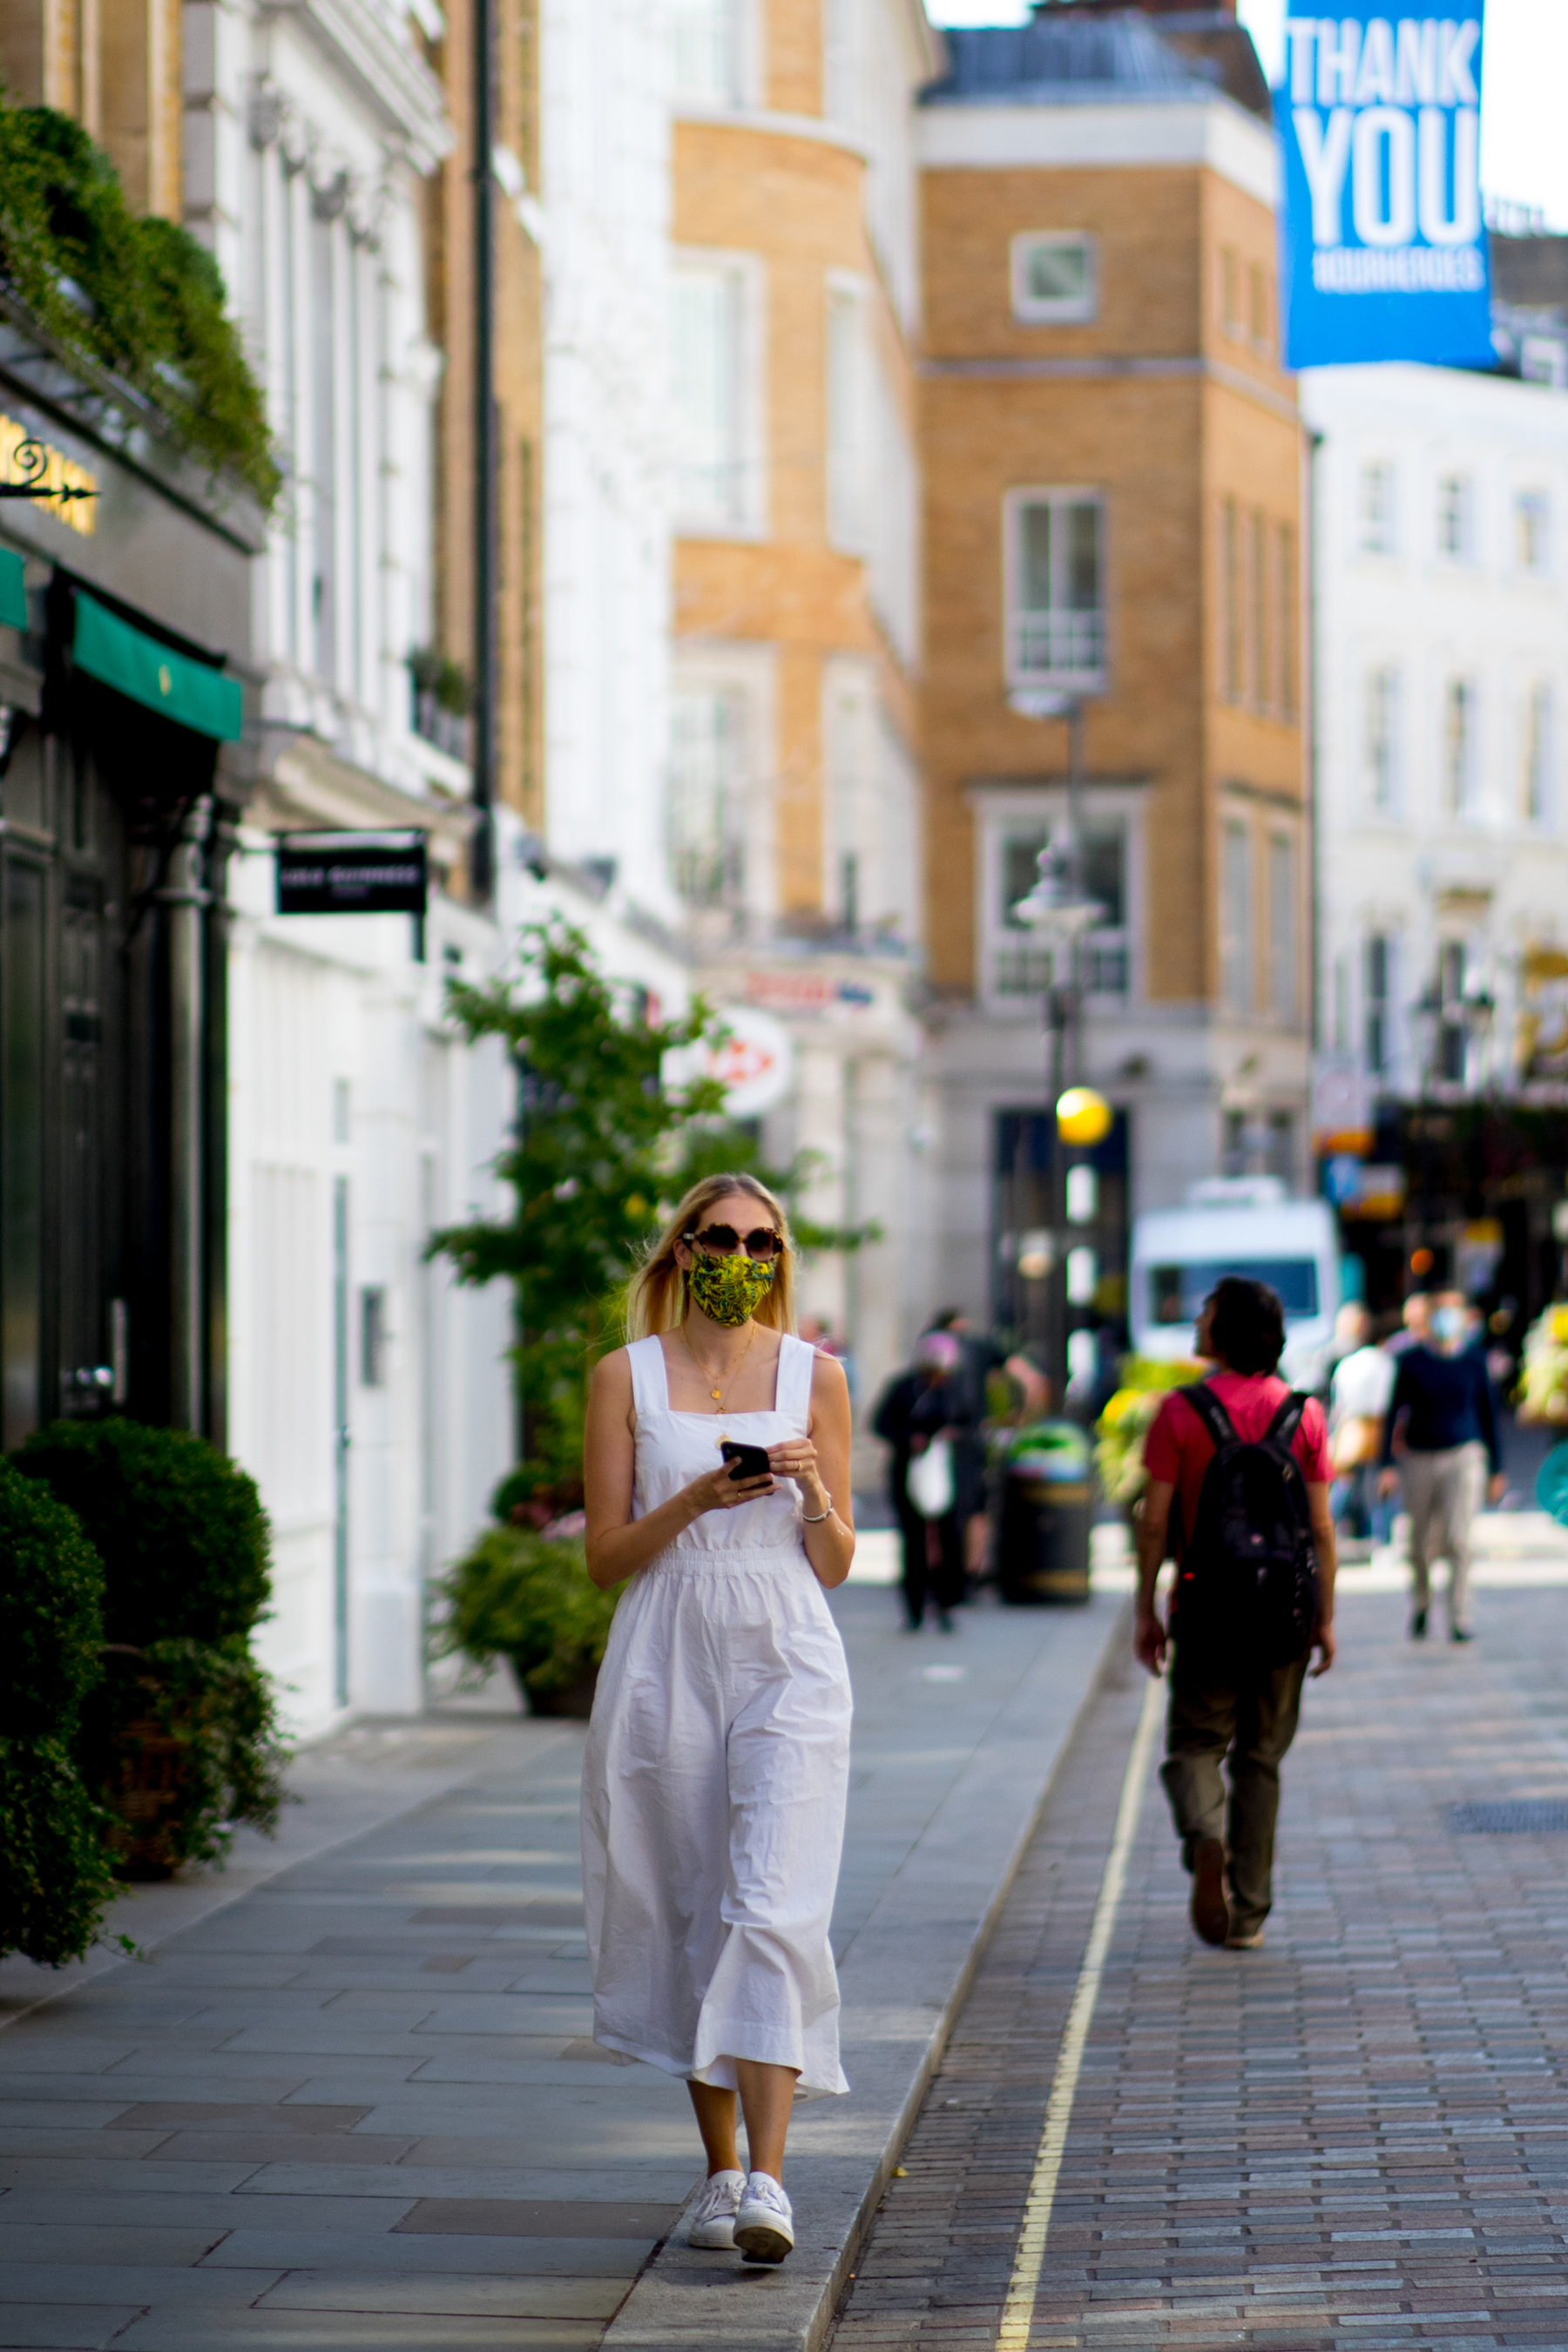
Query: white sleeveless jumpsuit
point(717, 1766)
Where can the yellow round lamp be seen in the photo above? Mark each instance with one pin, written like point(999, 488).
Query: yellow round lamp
point(1083, 1117)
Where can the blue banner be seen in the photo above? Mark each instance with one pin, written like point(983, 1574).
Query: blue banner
point(1382, 248)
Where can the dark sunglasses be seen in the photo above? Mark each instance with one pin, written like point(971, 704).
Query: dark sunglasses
point(723, 1241)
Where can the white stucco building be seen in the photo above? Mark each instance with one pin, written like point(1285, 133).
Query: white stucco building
point(1441, 597)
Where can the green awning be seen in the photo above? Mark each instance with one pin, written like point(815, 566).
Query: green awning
point(13, 589)
point(187, 691)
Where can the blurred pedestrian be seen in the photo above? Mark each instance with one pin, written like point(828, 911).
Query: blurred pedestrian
point(982, 1358)
point(923, 1415)
point(1359, 1392)
point(1238, 1490)
point(1416, 1318)
point(1441, 1412)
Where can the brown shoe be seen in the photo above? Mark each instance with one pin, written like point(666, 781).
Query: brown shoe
point(1251, 1942)
point(1211, 1912)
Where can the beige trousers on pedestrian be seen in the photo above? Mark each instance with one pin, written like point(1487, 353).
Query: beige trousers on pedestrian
point(1443, 1492)
point(1218, 1713)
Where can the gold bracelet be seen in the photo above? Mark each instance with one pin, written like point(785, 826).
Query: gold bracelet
point(807, 1520)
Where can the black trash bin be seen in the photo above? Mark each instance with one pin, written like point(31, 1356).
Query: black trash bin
point(1047, 1510)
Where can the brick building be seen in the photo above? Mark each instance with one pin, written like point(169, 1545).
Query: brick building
point(1114, 467)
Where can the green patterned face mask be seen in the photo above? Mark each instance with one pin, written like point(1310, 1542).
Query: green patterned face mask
point(730, 1289)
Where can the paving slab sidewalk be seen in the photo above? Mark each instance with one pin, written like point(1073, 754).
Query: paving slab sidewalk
point(350, 2099)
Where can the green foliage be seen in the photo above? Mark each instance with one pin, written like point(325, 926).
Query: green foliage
point(55, 1877)
point(51, 1611)
point(517, 1596)
point(183, 1738)
point(1128, 1418)
point(179, 1526)
point(445, 680)
point(138, 296)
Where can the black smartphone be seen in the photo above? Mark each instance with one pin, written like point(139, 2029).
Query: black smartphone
point(745, 1461)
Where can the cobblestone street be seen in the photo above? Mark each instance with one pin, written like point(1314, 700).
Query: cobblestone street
point(1357, 2137)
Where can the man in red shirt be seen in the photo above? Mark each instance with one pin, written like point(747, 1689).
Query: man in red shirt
point(1220, 1704)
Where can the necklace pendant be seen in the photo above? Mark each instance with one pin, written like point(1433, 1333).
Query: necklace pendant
point(716, 1394)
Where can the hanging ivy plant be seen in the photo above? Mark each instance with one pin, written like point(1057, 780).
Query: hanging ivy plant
point(136, 295)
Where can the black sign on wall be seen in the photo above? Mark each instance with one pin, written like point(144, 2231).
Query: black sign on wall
point(351, 874)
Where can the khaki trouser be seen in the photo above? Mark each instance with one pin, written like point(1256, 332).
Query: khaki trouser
point(1217, 1710)
point(1443, 1492)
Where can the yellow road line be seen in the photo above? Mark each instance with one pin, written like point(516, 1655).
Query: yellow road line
point(1018, 2312)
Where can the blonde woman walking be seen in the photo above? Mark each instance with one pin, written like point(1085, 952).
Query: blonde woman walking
point(718, 1756)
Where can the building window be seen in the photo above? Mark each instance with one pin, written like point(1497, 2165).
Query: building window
point(1458, 745)
point(1257, 602)
point(705, 36)
point(854, 830)
point(1282, 951)
point(1538, 755)
point(850, 452)
point(1376, 1001)
point(1454, 515)
point(707, 801)
point(1230, 294)
point(1021, 962)
point(1382, 722)
point(1451, 1036)
point(716, 475)
point(1233, 629)
point(373, 1336)
point(1055, 277)
point(1257, 287)
point(1377, 510)
point(843, 72)
point(1530, 516)
point(1288, 624)
point(1236, 946)
point(1055, 584)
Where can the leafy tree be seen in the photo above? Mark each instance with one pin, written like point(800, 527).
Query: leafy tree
point(602, 1144)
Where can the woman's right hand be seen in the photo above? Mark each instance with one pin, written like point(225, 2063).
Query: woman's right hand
point(717, 1491)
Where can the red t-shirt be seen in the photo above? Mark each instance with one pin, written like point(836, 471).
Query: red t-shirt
point(1178, 1450)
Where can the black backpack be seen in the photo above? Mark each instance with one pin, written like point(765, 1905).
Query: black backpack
point(1247, 1578)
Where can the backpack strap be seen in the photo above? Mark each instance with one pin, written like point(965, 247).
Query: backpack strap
point(1282, 1429)
point(1211, 1412)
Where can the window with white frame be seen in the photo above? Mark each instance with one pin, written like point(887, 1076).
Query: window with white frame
point(1382, 737)
point(706, 64)
point(843, 61)
point(1236, 942)
point(853, 831)
point(1377, 1001)
point(1531, 516)
point(1537, 776)
point(1454, 515)
point(715, 393)
point(708, 761)
point(1377, 514)
point(1055, 277)
point(1458, 745)
point(850, 461)
point(1020, 960)
point(1055, 589)
point(1283, 953)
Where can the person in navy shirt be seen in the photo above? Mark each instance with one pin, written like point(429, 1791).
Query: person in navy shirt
point(1442, 1410)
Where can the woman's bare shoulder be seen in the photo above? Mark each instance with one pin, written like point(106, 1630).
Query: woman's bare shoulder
point(613, 1376)
point(829, 1387)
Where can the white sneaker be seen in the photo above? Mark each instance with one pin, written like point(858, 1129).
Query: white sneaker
point(764, 2226)
point(713, 2223)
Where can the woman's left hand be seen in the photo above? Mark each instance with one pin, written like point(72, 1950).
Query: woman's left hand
point(796, 1459)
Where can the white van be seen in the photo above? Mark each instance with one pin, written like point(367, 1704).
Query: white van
point(1241, 1224)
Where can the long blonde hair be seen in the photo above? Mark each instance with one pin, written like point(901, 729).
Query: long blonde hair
point(658, 1301)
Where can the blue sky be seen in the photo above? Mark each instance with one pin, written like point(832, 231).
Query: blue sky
point(1524, 147)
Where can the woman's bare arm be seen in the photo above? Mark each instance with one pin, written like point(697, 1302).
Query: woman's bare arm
point(618, 1545)
point(819, 1462)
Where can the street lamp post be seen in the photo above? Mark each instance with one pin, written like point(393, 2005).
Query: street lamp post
point(1058, 912)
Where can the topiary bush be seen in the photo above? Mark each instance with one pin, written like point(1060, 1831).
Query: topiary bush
point(179, 1528)
point(55, 1881)
point(137, 295)
point(181, 1736)
point(520, 1597)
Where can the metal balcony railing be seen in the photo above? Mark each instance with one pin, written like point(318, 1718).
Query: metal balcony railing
point(1052, 646)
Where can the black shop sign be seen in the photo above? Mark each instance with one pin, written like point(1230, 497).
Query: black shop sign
point(351, 874)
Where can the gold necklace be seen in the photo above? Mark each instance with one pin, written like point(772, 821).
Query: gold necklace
point(717, 1394)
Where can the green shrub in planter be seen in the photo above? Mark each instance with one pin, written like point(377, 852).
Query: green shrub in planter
point(520, 1597)
point(54, 1879)
point(181, 1734)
